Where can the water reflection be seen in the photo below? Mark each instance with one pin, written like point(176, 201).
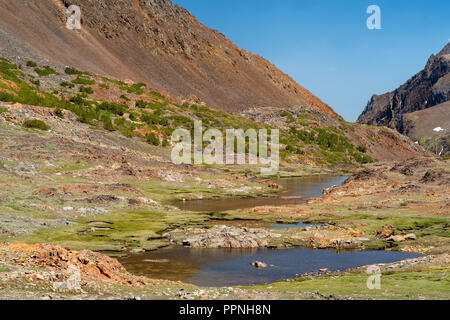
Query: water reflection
point(229, 267)
point(296, 191)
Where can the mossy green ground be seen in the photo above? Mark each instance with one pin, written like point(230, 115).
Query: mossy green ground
point(418, 283)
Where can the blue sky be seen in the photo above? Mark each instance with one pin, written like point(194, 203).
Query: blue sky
point(326, 46)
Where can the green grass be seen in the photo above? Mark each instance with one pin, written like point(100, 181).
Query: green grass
point(126, 229)
point(429, 282)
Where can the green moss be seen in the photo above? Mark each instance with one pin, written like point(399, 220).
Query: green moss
point(428, 282)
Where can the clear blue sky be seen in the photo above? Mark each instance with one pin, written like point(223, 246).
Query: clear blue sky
point(325, 44)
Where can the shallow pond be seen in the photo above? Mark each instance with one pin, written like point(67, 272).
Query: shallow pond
point(296, 190)
point(230, 267)
point(226, 267)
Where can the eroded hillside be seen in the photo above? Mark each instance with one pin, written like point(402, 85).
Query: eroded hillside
point(154, 41)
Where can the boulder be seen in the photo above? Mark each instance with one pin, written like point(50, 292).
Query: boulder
point(259, 265)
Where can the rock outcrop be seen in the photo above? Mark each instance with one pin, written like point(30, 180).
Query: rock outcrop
point(225, 237)
point(429, 88)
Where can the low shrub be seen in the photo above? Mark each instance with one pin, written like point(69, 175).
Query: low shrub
point(45, 72)
point(31, 64)
point(87, 90)
point(152, 139)
point(85, 81)
point(36, 124)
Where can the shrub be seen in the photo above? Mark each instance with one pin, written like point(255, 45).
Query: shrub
point(124, 97)
point(31, 64)
point(36, 124)
point(45, 72)
point(153, 139)
point(165, 142)
point(66, 84)
point(81, 80)
point(362, 149)
point(141, 104)
point(114, 108)
point(157, 96)
point(103, 86)
point(87, 90)
point(135, 88)
point(6, 70)
point(361, 158)
point(107, 124)
point(59, 113)
point(73, 71)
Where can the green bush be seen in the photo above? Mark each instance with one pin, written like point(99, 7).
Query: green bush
point(73, 71)
point(36, 124)
point(362, 149)
point(153, 139)
point(124, 97)
point(59, 113)
point(66, 84)
point(31, 64)
point(87, 90)
point(114, 108)
point(361, 158)
point(141, 104)
point(45, 72)
point(165, 142)
point(135, 88)
point(81, 80)
point(7, 71)
point(107, 124)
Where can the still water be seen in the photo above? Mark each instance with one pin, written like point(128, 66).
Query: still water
point(296, 190)
point(230, 267)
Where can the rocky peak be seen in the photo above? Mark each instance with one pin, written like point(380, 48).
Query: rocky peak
point(428, 88)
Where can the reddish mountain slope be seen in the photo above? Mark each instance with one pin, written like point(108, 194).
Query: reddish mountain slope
point(155, 41)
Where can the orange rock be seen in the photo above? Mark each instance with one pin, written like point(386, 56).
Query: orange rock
point(91, 264)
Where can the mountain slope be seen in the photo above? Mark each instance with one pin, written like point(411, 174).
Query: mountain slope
point(426, 89)
point(153, 41)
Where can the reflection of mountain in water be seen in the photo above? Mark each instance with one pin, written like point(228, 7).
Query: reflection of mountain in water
point(229, 267)
point(296, 191)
